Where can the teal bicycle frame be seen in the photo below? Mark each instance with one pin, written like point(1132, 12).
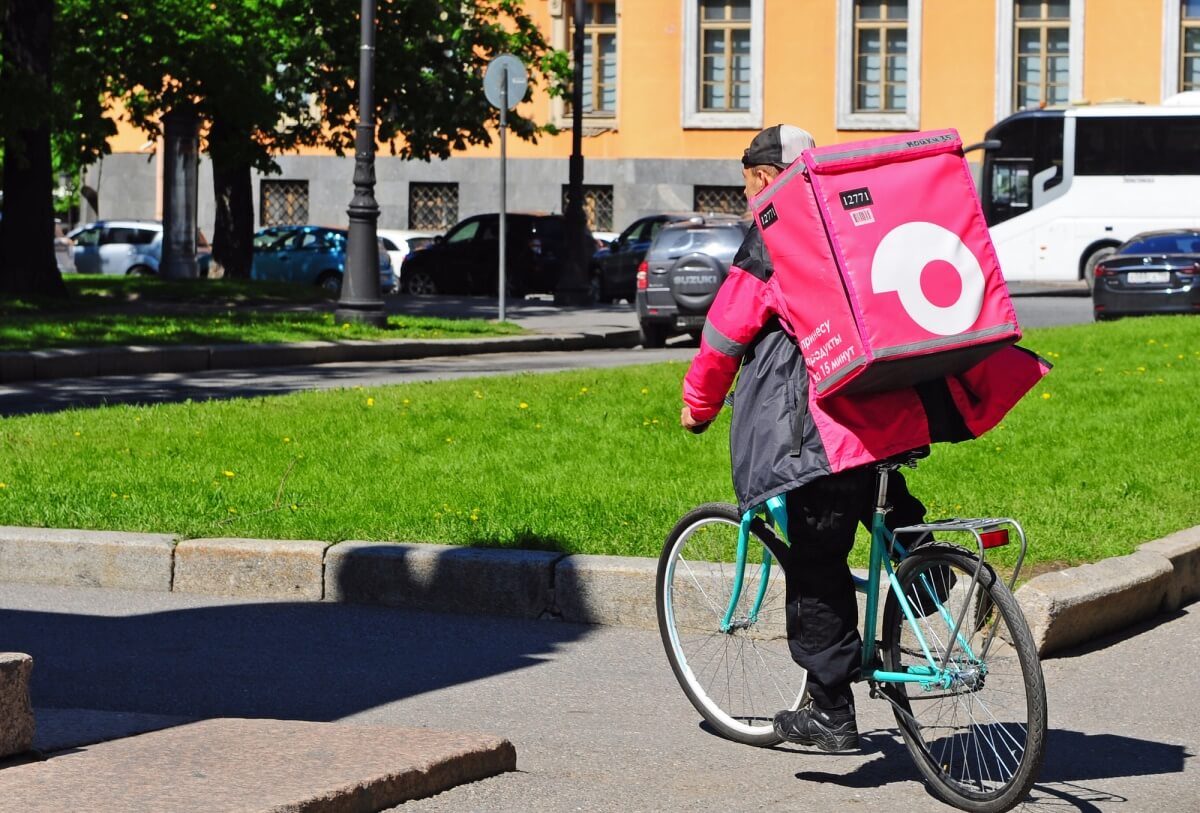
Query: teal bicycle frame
point(929, 675)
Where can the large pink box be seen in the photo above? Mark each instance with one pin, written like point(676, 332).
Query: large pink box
point(887, 270)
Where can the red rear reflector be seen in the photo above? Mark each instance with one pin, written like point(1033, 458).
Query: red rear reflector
point(643, 275)
point(994, 539)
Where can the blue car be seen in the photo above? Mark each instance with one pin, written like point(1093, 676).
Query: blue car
point(310, 255)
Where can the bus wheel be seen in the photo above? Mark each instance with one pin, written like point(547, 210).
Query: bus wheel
point(1094, 259)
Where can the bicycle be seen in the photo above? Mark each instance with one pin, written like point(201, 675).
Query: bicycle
point(955, 658)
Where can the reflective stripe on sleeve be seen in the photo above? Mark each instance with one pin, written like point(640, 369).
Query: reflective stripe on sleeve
point(721, 343)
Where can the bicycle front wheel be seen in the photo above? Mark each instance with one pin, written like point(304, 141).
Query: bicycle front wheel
point(736, 674)
point(979, 740)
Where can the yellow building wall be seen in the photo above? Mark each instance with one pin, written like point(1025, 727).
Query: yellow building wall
point(1123, 50)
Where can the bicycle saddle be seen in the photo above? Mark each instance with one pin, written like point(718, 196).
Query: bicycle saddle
point(908, 459)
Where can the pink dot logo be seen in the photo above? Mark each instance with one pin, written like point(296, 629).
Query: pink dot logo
point(938, 280)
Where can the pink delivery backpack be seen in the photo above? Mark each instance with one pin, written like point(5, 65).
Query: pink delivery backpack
point(882, 255)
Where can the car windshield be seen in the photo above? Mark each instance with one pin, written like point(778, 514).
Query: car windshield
point(1183, 243)
point(673, 243)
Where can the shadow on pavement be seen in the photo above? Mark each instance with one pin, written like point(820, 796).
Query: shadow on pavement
point(1106, 641)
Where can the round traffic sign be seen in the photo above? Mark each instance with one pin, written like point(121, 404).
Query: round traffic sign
point(494, 76)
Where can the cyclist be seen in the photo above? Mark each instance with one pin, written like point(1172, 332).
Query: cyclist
point(783, 442)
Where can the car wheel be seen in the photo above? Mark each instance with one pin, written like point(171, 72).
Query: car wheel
point(419, 283)
point(141, 271)
point(331, 281)
point(1094, 259)
point(596, 287)
point(653, 336)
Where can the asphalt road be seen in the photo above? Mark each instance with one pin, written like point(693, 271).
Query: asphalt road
point(1054, 307)
point(598, 722)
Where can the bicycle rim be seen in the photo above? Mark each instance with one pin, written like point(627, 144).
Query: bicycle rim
point(740, 678)
point(980, 741)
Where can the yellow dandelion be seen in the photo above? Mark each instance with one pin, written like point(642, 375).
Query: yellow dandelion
point(583, 390)
point(3, 485)
point(370, 402)
point(232, 510)
point(113, 495)
point(228, 473)
point(1141, 369)
point(78, 434)
point(1045, 396)
point(477, 394)
point(474, 518)
point(287, 439)
point(1152, 341)
point(645, 390)
point(1180, 357)
point(523, 405)
point(124, 496)
point(295, 507)
point(345, 325)
point(449, 440)
point(406, 402)
point(537, 426)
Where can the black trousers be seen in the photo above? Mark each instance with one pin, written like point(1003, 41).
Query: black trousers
point(822, 609)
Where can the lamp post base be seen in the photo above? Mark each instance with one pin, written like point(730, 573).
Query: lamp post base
point(365, 312)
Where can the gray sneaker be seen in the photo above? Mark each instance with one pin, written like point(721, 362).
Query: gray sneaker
point(809, 725)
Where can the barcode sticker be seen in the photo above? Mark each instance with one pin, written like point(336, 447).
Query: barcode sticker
point(860, 217)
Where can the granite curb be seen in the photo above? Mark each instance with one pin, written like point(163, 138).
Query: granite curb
point(91, 362)
point(1064, 608)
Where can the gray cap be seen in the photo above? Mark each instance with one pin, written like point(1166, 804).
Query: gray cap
point(779, 145)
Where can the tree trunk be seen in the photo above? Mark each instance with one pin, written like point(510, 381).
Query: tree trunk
point(27, 262)
point(233, 231)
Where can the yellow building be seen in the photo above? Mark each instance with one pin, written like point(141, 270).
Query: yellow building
point(675, 89)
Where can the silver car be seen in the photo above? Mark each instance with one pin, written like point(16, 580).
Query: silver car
point(124, 247)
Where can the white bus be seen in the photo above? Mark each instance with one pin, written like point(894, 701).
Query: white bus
point(1062, 188)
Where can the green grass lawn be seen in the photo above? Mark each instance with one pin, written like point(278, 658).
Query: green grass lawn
point(1097, 459)
point(105, 311)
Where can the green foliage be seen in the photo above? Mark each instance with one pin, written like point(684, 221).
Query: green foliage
point(593, 461)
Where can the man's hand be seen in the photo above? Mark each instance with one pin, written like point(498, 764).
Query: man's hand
point(691, 424)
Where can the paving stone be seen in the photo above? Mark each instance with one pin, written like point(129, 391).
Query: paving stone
point(227, 765)
point(16, 712)
point(440, 577)
point(263, 568)
point(70, 558)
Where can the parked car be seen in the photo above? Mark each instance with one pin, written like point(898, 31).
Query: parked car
point(125, 247)
point(399, 243)
point(1152, 272)
point(684, 267)
point(466, 260)
point(64, 249)
point(310, 255)
point(614, 269)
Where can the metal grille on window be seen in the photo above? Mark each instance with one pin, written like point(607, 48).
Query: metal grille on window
point(1189, 51)
point(1042, 58)
point(728, 200)
point(880, 56)
point(284, 203)
point(725, 55)
point(597, 206)
point(599, 89)
point(432, 206)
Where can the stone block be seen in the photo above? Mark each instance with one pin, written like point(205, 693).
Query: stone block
point(614, 590)
point(1072, 606)
point(1182, 550)
point(114, 559)
point(16, 366)
point(260, 568)
point(66, 362)
point(137, 360)
point(16, 711)
point(441, 577)
point(225, 356)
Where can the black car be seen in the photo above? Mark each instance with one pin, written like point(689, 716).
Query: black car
point(614, 269)
point(466, 260)
point(682, 271)
point(1152, 272)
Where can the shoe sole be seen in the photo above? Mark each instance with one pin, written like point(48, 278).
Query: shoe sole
point(831, 743)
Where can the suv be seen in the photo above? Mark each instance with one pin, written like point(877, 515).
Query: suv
point(614, 269)
point(678, 280)
point(126, 247)
point(467, 259)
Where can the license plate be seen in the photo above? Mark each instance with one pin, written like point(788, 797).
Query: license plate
point(1147, 277)
point(689, 321)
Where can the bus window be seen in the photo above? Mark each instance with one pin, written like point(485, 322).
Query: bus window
point(1150, 145)
point(1010, 187)
point(1029, 144)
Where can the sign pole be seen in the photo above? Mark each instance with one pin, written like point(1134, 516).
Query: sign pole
point(503, 183)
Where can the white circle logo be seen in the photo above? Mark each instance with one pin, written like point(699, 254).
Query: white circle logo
point(900, 258)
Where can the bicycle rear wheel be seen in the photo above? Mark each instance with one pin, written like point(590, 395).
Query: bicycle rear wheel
point(980, 741)
point(737, 679)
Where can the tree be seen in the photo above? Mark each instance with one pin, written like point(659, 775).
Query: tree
point(27, 264)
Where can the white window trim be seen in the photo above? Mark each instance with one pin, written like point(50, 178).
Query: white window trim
point(560, 13)
point(1004, 55)
point(691, 115)
point(847, 119)
point(1171, 32)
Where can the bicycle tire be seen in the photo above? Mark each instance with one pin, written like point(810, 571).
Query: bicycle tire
point(980, 742)
point(736, 679)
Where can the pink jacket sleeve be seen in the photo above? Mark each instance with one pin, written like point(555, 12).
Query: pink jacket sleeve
point(743, 305)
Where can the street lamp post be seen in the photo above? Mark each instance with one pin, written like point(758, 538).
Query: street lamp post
point(359, 300)
point(573, 287)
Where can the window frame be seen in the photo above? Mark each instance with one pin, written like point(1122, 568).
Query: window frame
point(691, 113)
point(1174, 24)
point(847, 117)
point(1006, 84)
point(561, 13)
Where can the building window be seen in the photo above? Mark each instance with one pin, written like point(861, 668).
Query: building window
point(729, 200)
point(878, 65)
point(597, 206)
point(1042, 42)
point(1189, 45)
point(432, 206)
point(283, 203)
point(599, 90)
point(723, 63)
point(880, 56)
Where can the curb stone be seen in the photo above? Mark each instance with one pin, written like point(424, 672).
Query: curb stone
point(16, 710)
point(1063, 608)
